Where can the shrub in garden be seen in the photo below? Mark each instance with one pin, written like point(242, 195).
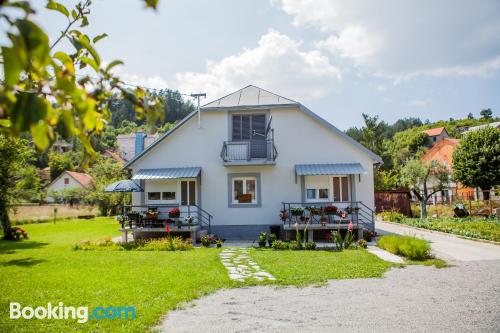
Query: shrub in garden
point(362, 243)
point(262, 239)
point(310, 246)
point(392, 216)
point(206, 240)
point(218, 243)
point(271, 238)
point(17, 233)
point(295, 245)
point(163, 244)
point(410, 247)
point(278, 245)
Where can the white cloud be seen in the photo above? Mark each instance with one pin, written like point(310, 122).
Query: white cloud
point(405, 39)
point(155, 82)
point(419, 103)
point(277, 63)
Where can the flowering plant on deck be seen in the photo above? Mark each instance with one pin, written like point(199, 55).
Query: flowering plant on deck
point(330, 209)
point(174, 213)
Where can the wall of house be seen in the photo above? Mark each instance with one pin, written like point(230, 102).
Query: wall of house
point(299, 140)
point(58, 185)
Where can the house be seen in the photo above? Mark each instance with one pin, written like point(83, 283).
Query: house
point(128, 143)
point(69, 179)
point(442, 152)
point(248, 155)
point(436, 134)
point(475, 128)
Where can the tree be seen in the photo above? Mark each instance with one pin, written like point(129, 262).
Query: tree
point(405, 145)
point(60, 162)
point(417, 176)
point(14, 156)
point(44, 95)
point(476, 162)
point(470, 116)
point(486, 113)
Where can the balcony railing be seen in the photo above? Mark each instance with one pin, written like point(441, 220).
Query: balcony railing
point(249, 152)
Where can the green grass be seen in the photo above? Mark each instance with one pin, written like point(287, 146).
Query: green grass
point(300, 268)
point(438, 263)
point(406, 246)
point(480, 228)
point(45, 269)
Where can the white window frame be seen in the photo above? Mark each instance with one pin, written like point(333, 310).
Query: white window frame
point(244, 180)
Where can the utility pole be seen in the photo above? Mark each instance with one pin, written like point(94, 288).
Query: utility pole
point(197, 96)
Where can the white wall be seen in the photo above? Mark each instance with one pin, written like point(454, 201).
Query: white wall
point(299, 140)
point(58, 185)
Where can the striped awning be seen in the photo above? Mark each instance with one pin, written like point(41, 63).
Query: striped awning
point(167, 173)
point(329, 169)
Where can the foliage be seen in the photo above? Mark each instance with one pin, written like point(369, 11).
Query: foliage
point(279, 245)
point(310, 246)
point(15, 153)
point(471, 227)
point(43, 93)
point(410, 247)
point(71, 195)
point(342, 242)
point(28, 185)
point(262, 239)
point(60, 162)
point(416, 174)
point(297, 211)
point(476, 162)
point(174, 213)
point(271, 238)
point(486, 113)
point(295, 245)
point(163, 244)
point(17, 233)
point(386, 179)
point(391, 216)
point(207, 240)
point(362, 243)
point(410, 143)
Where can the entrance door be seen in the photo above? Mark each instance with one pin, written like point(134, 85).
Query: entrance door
point(188, 192)
point(341, 188)
point(251, 127)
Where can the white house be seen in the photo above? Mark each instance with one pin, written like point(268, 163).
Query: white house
point(128, 145)
point(248, 155)
point(69, 179)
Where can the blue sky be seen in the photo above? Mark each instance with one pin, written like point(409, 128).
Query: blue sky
point(427, 59)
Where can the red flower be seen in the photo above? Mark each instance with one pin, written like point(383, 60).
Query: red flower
point(167, 228)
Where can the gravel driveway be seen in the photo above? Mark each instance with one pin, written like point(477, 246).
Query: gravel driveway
point(462, 298)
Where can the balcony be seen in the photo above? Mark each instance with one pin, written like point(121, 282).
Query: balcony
point(251, 152)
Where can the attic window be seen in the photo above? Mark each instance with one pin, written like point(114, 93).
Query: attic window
point(66, 181)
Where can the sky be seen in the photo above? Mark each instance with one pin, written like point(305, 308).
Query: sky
point(428, 59)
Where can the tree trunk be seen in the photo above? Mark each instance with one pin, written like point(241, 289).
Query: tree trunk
point(423, 209)
point(4, 219)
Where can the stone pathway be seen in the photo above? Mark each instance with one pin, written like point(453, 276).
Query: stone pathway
point(241, 267)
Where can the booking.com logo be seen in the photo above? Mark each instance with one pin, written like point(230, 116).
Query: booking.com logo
point(61, 311)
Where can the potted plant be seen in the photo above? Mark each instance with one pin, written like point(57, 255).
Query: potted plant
point(174, 213)
point(314, 210)
point(323, 220)
point(283, 215)
point(262, 239)
point(188, 220)
point(206, 240)
point(218, 243)
point(330, 210)
point(297, 211)
point(178, 223)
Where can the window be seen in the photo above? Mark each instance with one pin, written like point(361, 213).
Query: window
point(311, 193)
point(154, 196)
point(168, 196)
point(341, 188)
point(66, 181)
point(244, 190)
point(188, 192)
point(323, 193)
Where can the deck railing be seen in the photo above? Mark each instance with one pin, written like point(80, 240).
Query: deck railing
point(240, 151)
point(356, 211)
point(136, 215)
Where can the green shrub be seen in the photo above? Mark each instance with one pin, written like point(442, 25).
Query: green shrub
point(362, 243)
point(391, 216)
point(410, 247)
point(262, 239)
point(163, 244)
point(271, 238)
point(279, 245)
point(310, 246)
point(295, 245)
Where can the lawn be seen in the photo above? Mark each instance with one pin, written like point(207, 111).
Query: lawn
point(480, 228)
point(45, 269)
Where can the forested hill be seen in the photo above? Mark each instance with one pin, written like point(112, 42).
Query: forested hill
point(404, 140)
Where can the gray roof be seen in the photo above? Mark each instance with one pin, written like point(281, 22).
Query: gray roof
point(261, 99)
point(249, 96)
point(475, 128)
point(167, 173)
point(329, 169)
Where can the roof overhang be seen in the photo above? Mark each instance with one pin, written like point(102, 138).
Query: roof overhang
point(329, 169)
point(167, 173)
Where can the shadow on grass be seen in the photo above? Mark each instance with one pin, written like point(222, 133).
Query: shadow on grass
point(25, 262)
point(9, 247)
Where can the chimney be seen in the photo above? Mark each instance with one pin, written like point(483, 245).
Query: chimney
point(139, 142)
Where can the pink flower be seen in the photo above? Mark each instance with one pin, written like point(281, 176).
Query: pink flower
point(167, 228)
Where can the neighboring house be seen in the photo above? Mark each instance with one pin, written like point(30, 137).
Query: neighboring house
point(248, 155)
point(443, 153)
point(129, 144)
point(436, 134)
point(69, 179)
point(475, 128)
point(62, 146)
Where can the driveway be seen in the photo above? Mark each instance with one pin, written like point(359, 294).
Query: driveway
point(446, 246)
point(461, 298)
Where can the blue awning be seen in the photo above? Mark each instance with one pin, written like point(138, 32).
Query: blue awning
point(167, 173)
point(329, 169)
